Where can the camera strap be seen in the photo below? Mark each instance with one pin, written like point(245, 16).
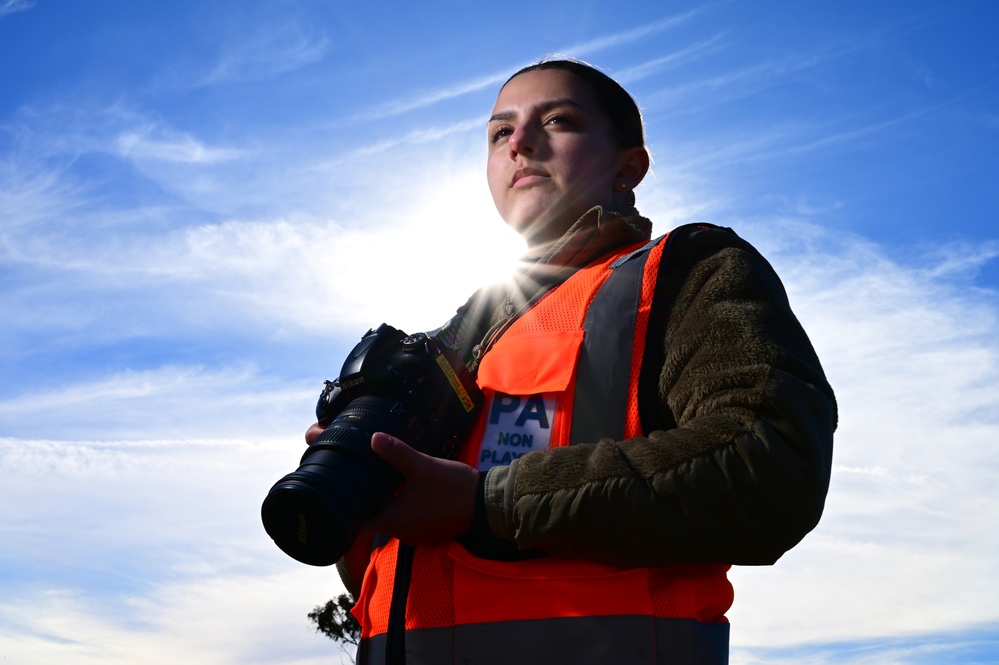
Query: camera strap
point(395, 648)
point(485, 317)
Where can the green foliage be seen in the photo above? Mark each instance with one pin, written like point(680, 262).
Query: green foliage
point(335, 620)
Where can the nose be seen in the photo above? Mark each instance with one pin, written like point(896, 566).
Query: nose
point(522, 141)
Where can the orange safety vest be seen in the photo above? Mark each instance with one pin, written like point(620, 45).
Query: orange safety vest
point(566, 371)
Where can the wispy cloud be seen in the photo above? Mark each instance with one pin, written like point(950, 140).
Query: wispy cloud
point(674, 59)
point(630, 36)
point(399, 107)
point(13, 6)
point(914, 360)
point(258, 54)
point(723, 84)
point(267, 53)
point(152, 552)
point(961, 259)
point(55, 144)
point(239, 617)
point(723, 87)
point(418, 136)
point(979, 644)
point(63, 130)
point(862, 126)
point(174, 401)
point(294, 275)
point(142, 144)
point(32, 194)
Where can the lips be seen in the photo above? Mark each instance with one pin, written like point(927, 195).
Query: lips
point(527, 176)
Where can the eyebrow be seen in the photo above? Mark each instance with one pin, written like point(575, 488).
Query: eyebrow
point(541, 108)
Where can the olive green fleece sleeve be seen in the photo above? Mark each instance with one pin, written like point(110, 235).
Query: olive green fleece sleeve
point(743, 474)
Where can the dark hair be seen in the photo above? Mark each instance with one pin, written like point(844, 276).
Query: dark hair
point(619, 107)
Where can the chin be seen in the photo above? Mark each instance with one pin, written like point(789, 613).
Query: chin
point(537, 233)
point(522, 224)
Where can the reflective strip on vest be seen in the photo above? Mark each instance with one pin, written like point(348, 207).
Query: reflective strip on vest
point(577, 357)
point(615, 327)
point(567, 370)
point(621, 640)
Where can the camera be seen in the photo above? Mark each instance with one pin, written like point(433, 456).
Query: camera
point(410, 386)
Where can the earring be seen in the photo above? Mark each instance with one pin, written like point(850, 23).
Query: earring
point(621, 187)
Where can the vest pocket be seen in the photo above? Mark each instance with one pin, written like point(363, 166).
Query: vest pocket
point(545, 362)
point(527, 380)
point(488, 591)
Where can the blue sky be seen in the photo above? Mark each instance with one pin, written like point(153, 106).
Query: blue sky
point(204, 205)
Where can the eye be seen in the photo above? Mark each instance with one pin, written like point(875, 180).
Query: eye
point(499, 133)
point(558, 119)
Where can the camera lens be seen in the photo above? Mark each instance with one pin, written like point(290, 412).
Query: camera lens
point(313, 514)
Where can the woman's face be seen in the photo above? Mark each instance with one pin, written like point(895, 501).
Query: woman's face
point(552, 156)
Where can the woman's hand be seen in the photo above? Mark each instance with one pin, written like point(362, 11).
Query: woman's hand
point(436, 500)
point(313, 433)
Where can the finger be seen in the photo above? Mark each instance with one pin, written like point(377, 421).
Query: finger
point(395, 452)
point(313, 433)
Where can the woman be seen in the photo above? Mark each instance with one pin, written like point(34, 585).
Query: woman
point(654, 414)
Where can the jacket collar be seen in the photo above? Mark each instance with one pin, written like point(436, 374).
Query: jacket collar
point(490, 309)
point(594, 234)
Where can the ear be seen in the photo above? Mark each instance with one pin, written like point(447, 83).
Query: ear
point(634, 166)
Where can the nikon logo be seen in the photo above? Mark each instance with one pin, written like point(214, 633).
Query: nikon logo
point(350, 382)
point(303, 530)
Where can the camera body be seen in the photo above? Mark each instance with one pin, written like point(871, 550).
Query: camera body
point(409, 386)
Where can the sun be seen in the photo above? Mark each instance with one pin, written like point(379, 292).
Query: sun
point(413, 267)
